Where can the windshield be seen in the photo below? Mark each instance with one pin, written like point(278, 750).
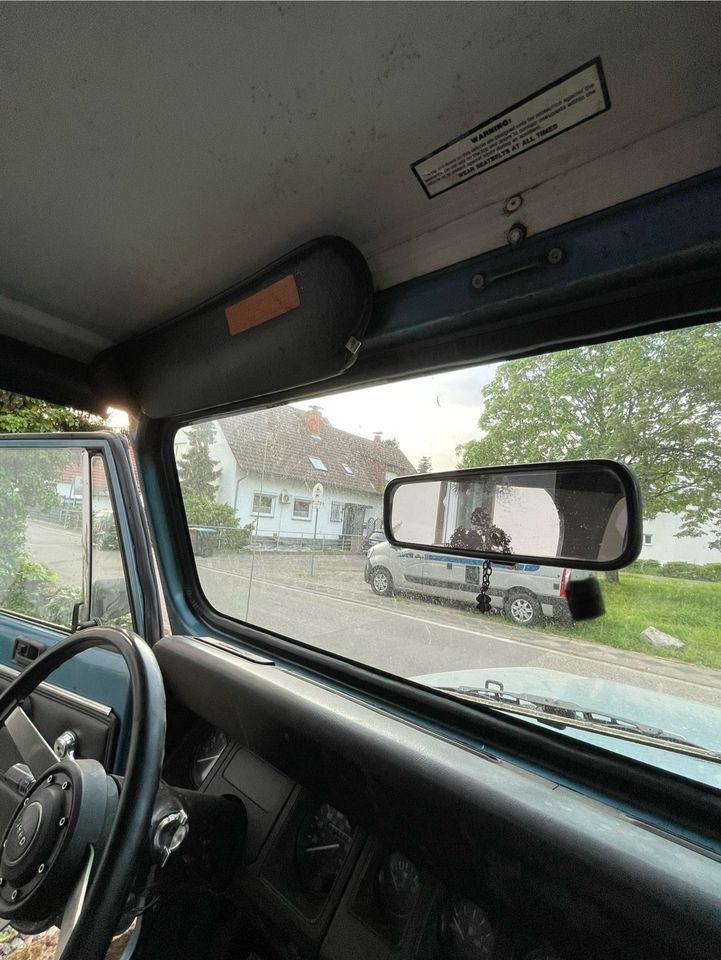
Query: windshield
point(284, 508)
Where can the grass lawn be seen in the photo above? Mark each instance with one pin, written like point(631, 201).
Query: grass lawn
point(687, 609)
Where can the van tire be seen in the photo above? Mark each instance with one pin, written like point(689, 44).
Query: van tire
point(381, 582)
point(523, 609)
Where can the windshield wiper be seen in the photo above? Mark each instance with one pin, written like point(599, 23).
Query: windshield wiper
point(565, 713)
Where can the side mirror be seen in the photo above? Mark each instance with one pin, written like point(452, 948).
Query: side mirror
point(584, 513)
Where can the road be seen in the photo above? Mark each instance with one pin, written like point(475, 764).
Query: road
point(335, 610)
point(411, 637)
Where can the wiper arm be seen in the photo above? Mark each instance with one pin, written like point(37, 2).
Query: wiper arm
point(565, 713)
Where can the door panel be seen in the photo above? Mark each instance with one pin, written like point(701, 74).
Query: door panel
point(76, 552)
point(55, 711)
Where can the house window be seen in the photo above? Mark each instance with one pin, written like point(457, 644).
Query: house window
point(301, 509)
point(263, 504)
point(336, 511)
point(390, 475)
point(318, 463)
point(648, 539)
point(347, 469)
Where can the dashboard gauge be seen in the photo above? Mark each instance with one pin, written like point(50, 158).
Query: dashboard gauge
point(206, 754)
point(323, 843)
point(466, 932)
point(397, 886)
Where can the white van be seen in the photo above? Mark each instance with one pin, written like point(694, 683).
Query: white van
point(526, 592)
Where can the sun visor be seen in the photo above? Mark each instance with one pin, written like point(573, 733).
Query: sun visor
point(299, 321)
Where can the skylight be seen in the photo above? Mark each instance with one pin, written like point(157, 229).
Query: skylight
point(347, 469)
point(318, 463)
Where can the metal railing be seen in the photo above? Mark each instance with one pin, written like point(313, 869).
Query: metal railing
point(209, 540)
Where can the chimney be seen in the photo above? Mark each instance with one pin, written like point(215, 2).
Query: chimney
point(377, 436)
point(313, 420)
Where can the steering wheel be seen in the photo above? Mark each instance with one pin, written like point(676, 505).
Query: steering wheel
point(74, 842)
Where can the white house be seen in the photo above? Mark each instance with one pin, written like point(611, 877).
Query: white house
point(660, 542)
point(270, 461)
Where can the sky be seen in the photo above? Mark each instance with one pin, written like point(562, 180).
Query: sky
point(428, 416)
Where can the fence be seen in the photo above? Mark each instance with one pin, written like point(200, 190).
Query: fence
point(67, 513)
point(210, 540)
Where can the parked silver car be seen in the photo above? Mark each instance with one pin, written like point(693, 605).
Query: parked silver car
point(525, 592)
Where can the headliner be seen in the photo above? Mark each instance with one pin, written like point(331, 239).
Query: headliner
point(153, 154)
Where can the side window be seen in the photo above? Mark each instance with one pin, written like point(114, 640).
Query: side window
point(53, 536)
point(109, 594)
point(41, 548)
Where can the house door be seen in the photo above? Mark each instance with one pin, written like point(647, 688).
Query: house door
point(353, 517)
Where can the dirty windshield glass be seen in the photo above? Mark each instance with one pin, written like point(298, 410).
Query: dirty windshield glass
point(285, 513)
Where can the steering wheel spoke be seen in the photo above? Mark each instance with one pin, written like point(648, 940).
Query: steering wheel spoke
point(75, 903)
point(32, 746)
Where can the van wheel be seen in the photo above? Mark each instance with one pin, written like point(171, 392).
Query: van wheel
point(522, 609)
point(381, 582)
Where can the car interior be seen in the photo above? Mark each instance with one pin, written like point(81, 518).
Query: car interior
point(219, 211)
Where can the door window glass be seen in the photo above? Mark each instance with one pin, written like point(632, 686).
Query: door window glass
point(110, 603)
point(59, 559)
point(41, 548)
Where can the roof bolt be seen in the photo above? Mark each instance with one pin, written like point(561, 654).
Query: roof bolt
point(14, 895)
point(66, 785)
point(516, 234)
point(50, 779)
point(26, 801)
point(477, 281)
point(41, 868)
point(2, 881)
point(512, 204)
point(62, 822)
point(555, 255)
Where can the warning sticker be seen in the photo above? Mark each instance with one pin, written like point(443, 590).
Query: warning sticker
point(560, 106)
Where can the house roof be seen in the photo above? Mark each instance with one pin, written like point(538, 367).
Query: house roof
point(279, 442)
point(72, 470)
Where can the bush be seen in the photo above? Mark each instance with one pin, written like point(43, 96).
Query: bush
point(651, 568)
point(27, 591)
point(681, 570)
point(200, 511)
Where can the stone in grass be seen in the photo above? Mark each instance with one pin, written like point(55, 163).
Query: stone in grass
point(658, 638)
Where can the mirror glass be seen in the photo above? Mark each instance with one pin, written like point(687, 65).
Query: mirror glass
point(568, 512)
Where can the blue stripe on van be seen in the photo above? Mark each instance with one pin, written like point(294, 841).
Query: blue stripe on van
point(470, 561)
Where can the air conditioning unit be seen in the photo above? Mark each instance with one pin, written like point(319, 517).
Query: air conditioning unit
point(285, 497)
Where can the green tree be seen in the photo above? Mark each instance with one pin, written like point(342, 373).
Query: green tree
point(20, 414)
point(195, 466)
point(652, 402)
point(425, 465)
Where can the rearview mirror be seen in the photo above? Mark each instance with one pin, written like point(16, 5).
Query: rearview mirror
point(576, 514)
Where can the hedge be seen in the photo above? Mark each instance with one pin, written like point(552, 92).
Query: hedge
point(679, 570)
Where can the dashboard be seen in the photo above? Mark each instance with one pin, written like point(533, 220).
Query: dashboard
point(372, 833)
point(321, 885)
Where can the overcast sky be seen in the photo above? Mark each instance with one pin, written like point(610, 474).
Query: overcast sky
point(429, 416)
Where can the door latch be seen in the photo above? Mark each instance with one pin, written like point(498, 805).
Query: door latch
point(26, 650)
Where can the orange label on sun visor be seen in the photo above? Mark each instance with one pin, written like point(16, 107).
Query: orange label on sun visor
point(272, 301)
